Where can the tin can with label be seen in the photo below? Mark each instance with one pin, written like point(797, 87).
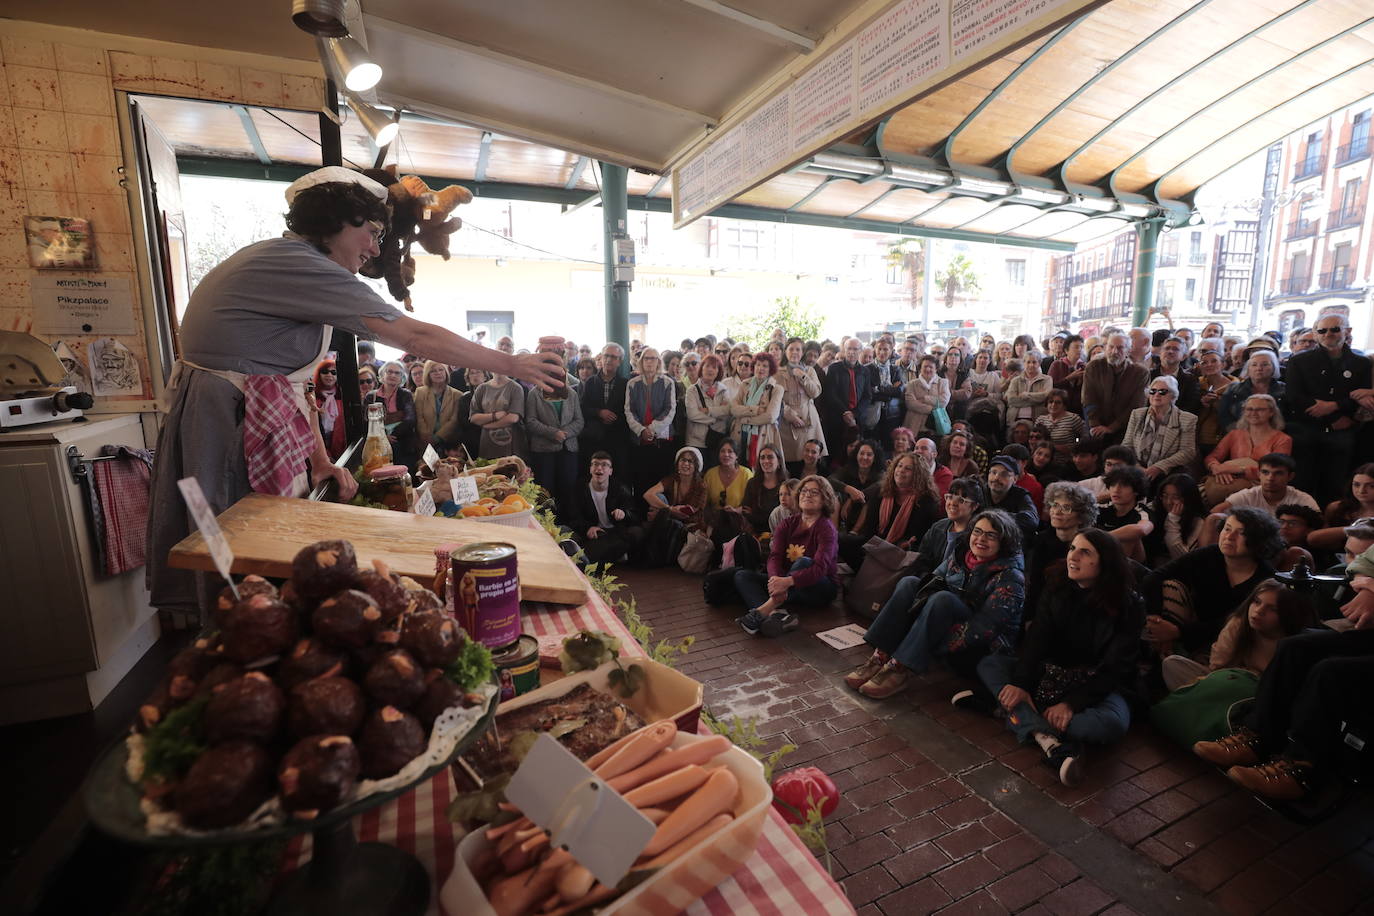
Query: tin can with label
point(517, 667)
point(486, 593)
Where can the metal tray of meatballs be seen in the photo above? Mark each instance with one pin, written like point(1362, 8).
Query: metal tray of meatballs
point(301, 708)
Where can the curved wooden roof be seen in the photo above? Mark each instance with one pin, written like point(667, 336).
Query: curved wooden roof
point(1122, 112)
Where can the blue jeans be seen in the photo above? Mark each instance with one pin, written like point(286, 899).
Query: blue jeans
point(1104, 723)
point(753, 588)
point(915, 643)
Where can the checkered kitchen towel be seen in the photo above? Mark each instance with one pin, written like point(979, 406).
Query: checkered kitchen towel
point(277, 440)
point(121, 487)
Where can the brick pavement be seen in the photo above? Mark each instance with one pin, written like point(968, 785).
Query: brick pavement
point(944, 813)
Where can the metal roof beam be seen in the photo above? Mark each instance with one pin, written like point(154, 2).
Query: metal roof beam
point(946, 149)
point(770, 29)
point(483, 156)
point(248, 169)
point(1063, 167)
point(1112, 179)
point(576, 175)
point(658, 185)
point(251, 129)
point(1094, 79)
point(529, 66)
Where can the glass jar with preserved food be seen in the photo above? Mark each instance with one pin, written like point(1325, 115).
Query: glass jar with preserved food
point(377, 447)
point(392, 487)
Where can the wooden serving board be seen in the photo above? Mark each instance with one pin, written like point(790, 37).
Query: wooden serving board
point(266, 532)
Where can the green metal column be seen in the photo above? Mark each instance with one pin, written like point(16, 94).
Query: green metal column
point(1146, 256)
point(613, 223)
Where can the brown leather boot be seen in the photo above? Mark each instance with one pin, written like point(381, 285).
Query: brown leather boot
point(1280, 779)
point(892, 678)
point(860, 675)
point(1240, 749)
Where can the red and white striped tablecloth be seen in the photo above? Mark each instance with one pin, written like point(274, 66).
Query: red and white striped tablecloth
point(782, 877)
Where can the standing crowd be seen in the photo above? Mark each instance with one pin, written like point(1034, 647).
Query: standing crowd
point(1086, 528)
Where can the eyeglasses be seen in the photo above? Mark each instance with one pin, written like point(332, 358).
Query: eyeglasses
point(329, 372)
point(1325, 331)
point(1158, 391)
point(1062, 507)
point(808, 491)
point(367, 381)
point(1254, 409)
point(982, 534)
point(960, 500)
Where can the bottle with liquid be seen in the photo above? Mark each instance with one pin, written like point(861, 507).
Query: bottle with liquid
point(377, 447)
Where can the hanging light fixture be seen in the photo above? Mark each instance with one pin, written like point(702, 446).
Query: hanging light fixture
point(347, 60)
point(379, 128)
point(320, 17)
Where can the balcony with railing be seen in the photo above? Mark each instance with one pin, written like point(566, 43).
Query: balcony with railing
point(1309, 166)
point(1353, 151)
point(1336, 278)
point(1300, 229)
point(1295, 285)
point(1168, 258)
point(1197, 258)
point(1341, 217)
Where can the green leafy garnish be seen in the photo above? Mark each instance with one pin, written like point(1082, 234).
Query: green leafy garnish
point(171, 746)
point(473, 667)
point(480, 805)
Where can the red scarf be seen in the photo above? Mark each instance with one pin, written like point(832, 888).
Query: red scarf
point(895, 530)
point(853, 388)
point(971, 562)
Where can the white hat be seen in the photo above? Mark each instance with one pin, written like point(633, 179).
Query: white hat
point(334, 174)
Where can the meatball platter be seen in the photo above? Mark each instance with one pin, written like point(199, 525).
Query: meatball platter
point(302, 706)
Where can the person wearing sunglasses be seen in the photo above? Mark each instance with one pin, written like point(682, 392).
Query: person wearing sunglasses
point(1163, 436)
point(1322, 386)
point(969, 606)
point(330, 409)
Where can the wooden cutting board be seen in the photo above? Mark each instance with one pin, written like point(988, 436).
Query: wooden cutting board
point(265, 532)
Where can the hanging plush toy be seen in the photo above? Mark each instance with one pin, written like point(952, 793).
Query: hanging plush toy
point(417, 214)
point(435, 226)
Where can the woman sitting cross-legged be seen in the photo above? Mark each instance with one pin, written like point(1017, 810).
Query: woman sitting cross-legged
point(801, 564)
point(1063, 688)
point(974, 608)
point(899, 509)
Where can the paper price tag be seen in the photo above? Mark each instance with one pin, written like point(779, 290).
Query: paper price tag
point(598, 826)
point(430, 457)
point(424, 503)
point(465, 491)
point(204, 516)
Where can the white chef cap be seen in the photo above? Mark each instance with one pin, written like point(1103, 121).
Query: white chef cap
point(334, 174)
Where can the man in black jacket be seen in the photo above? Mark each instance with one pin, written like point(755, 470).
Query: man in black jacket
point(603, 410)
point(1004, 494)
point(605, 518)
point(847, 393)
point(1323, 425)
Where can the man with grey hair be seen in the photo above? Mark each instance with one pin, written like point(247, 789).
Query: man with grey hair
point(1141, 340)
point(927, 451)
point(1321, 382)
point(603, 412)
point(1112, 388)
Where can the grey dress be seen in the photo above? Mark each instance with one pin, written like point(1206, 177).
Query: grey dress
point(261, 312)
point(510, 397)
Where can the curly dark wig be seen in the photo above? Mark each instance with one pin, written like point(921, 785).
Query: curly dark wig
point(321, 211)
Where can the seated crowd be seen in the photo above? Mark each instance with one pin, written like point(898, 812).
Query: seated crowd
point(1086, 530)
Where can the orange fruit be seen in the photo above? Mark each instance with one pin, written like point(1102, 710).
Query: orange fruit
point(515, 499)
point(476, 510)
point(506, 510)
point(488, 502)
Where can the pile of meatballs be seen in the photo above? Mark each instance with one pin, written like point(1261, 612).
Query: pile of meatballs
point(337, 675)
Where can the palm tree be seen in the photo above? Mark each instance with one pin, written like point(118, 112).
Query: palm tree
point(957, 279)
point(910, 256)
